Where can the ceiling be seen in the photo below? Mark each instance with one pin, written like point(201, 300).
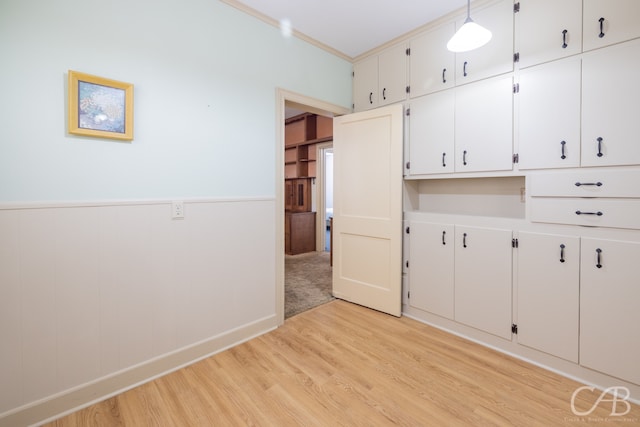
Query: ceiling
point(352, 27)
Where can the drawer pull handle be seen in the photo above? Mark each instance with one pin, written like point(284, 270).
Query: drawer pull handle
point(599, 147)
point(597, 184)
point(562, 253)
point(464, 69)
point(464, 157)
point(370, 98)
point(444, 80)
point(601, 21)
point(444, 165)
point(384, 93)
point(589, 213)
point(464, 240)
point(563, 143)
point(598, 261)
point(443, 241)
point(564, 39)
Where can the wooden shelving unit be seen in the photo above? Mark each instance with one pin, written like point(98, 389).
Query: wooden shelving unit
point(302, 133)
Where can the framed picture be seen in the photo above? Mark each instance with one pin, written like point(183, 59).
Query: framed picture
point(100, 107)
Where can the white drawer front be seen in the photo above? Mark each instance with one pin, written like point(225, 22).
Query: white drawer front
point(613, 213)
point(586, 184)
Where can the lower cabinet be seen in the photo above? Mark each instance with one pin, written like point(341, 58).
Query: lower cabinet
point(462, 273)
point(431, 265)
point(548, 293)
point(609, 315)
point(299, 232)
point(483, 279)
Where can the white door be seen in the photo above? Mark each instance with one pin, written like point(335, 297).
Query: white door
point(367, 150)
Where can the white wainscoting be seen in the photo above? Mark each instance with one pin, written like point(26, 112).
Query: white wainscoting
point(91, 291)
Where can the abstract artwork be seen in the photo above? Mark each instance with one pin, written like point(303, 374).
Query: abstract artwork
point(100, 107)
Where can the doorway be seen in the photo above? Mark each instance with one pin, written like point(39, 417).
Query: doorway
point(286, 99)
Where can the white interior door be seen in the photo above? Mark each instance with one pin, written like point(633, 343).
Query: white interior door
point(367, 220)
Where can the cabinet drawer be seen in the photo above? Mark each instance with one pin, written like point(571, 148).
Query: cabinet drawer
point(615, 213)
point(586, 184)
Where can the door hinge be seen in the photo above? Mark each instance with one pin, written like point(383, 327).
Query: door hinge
point(407, 230)
point(514, 328)
point(408, 51)
point(408, 165)
point(409, 295)
point(516, 88)
point(407, 264)
point(514, 243)
point(516, 57)
point(408, 89)
point(516, 7)
point(408, 112)
point(516, 158)
point(353, 74)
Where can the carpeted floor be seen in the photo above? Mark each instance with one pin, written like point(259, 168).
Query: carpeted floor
point(307, 282)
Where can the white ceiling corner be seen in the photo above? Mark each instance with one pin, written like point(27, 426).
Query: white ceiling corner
point(353, 27)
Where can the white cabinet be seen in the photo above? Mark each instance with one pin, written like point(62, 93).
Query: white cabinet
point(610, 21)
point(431, 138)
point(548, 293)
point(483, 259)
point(548, 30)
point(610, 107)
point(484, 126)
point(609, 315)
point(494, 58)
point(432, 66)
point(380, 79)
point(432, 267)
point(549, 115)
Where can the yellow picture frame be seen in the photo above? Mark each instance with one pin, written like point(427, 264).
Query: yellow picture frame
point(100, 107)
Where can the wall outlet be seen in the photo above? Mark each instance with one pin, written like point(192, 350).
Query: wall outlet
point(177, 210)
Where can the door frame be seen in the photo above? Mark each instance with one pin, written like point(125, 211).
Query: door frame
point(311, 105)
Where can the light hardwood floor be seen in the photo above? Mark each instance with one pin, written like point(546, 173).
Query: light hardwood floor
point(342, 364)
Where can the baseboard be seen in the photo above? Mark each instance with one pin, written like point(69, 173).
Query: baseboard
point(70, 401)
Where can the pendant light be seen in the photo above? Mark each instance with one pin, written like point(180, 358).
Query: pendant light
point(470, 36)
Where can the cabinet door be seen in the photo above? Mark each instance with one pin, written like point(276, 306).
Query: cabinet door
point(484, 126)
point(483, 259)
point(610, 21)
point(365, 84)
point(432, 65)
point(548, 293)
point(392, 72)
point(431, 141)
point(548, 30)
point(549, 115)
point(496, 57)
point(431, 267)
point(609, 315)
point(610, 107)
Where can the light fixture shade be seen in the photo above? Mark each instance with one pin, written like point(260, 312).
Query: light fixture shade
point(468, 37)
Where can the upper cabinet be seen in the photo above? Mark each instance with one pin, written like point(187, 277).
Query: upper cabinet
point(610, 21)
point(610, 107)
point(548, 30)
point(432, 65)
point(549, 115)
point(380, 79)
point(496, 57)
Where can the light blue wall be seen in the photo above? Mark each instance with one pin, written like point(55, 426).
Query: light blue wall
point(205, 78)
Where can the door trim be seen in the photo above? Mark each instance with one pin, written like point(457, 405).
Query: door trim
point(311, 105)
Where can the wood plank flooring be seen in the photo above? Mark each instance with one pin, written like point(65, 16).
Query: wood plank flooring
point(344, 365)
